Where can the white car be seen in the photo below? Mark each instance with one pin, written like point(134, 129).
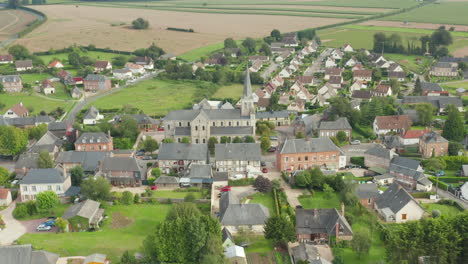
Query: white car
point(43, 227)
point(355, 142)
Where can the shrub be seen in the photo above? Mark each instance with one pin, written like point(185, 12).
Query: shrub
point(189, 198)
point(262, 184)
point(140, 23)
point(21, 211)
point(358, 161)
point(32, 208)
point(436, 213)
point(136, 198)
point(127, 198)
point(241, 182)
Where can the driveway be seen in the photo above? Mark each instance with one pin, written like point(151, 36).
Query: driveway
point(14, 229)
point(31, 226)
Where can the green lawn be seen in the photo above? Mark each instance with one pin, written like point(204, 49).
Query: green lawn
point(409, 62)
point(31, 100)
point(112, 242)
point(259, 244)
point(172, 194)
point(320, 201)
point(442, 12)
point(195, 54)
point(446, 210)
point(34, 78)
point(233, 91)
point(57, 211)
point(265, 199)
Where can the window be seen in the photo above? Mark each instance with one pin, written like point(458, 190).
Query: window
point(214, 123)
point(237, 123)
point(178, 140)
point(403, 216)
point(229, 123)
point(49, 187)
point(369, 201)
point(100, 147)
point(299, 159)
point(334, 156)
point(180, 124)
point(92, 147)
point(196, 128)
point(25, 188)
point(33, 188)
point(196, 140)
point(79, 147)
point(188, 123)
point(286, 159)
point(168, 127)
point(222, 123)
point(306, 158)
point(84, 148)
point(58, 188)
point(204, 141)
point(203, 128)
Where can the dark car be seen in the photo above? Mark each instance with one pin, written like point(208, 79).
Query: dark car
point(272, 149)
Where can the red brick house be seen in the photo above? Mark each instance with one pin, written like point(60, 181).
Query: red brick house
point(11, 83)
point(367, 193)
point(96, 83)
point(433, 143)
point(94, 141)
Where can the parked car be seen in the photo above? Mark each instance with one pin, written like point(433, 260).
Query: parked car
point(160, 129)
point(140, 153)
point(154, 187)
point(440, 173)
point(43, 227)
point(226, 189)
point(49, 223)
point(263, 164)
point(272, 149)
point(147, 158)
point(355, 142)
point(264, 170)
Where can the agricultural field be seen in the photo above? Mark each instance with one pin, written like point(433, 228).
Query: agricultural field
point(13, 21)
point(233, 91)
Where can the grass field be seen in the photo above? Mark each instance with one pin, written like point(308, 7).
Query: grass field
point(110, 241)
point(443, 13)
point(57, 211)
point(172, 194)
point(446, 210)
point(33, 101)
point(320, 201)
point(13, 21)
point(203, 51)
point(96, 55)
point(233, 91)
point(265, 199)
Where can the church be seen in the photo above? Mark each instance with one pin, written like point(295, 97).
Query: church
point(205, 121)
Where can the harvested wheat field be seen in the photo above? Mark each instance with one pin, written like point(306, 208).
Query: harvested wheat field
point(412, 25)
point(85, 25)
point(13, 21)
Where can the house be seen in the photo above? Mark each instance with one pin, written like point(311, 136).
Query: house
point(235, 255)
point(384, 179)
point(461, 91)
point(11, 83)
point(399, 76)
point(76, 92)
point(331, 128)
point(378, 156)
point(23, 65)
point(5, 197)
point(382, 90)
point(233, 52)
point(285, 73)
point(335, 81)
point(337, 54)
point(263, 59)
point(439, 102)
point(240, 158)
point(92, 116)
point(48, 142)
point(6, 59)
point(88, 210)
point(122, 74)
point(179, 156)
point(17, 110)
point(409, 174)
point(279, 118)
point(235, 216)
point(197, 65)
point(396, 123)
point(347, 48)
point(227, 239)
point(326, 92)
point(397, 205)
point(305, 80)
point(319, 225)
point(39, 180)
point(167, 183)
point(121, 171)
point(96, 83)
point(146, 62)
point(168, 56)
point(283, 56)
point(135, 68)
point(357, 66)
point(444, 69)
point(357, 85)
point(361, 94)
point(330, 62)
point(256, 66)
point(432, 144)
point(307, 124)
point(26, 122)
point(55, 64)
point(101, 66)
point(62, 129)
point(351, 62)
point(432, 89)
point(25, 162)
point(25, 254)
point(307, 253)
point(301, 154)
point(333, 71)
point(197, 175)
point(362, 75)
point(47, 87)
point(367, 193)
point(94, 141)
point(298, 105)
point(96, 259)
point(88, 160)
point(384, 64)
point(145, 123)
point(411, 137)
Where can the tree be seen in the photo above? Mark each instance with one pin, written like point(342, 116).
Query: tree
point(62, 224)
point(37, 132)
point(168, 140)
point(249, 44)
point(44, 161)
point(225, 139)
point(441, 37)
point(328, 191)
point(236, 140)
point(300, 135)
point(276, 34)
point(249, 139)
point(265, 143)
point(341, 136)
point(150, 144)
point(127, 198)
point(263, 129)
point(229, 43)
point(265, 49)
point(262, 184)
point(96, 188)
point(136, 198)
point(77, 175)
point(425, 112)
point(361, 242)
point(128, 127)
point(19, 52)
point(2, 90)
point(453, 128)
point(189, 198)
point(453, 148)
point(156, 172)
point(4, 176)
point(435, 164)
point(212, 141)
point(46, 200)
point(13, 140)
point(140, 23)
point(13, 4)
point(395, 85)
point(417, 87)
point(280, 229)
point(128, 258)
point(119, 61)
point(74, 59)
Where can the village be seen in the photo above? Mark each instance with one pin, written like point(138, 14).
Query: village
point(327, 154)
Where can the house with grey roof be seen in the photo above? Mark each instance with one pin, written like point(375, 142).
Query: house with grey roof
point(409, 174)
point(48, 142)
point(167, 182)
point(23, 65)
point(121, 171)
point(331, 128)
point(96, 259)
point(227, 238)
point(432, 144)
point(40, 180)
point(241, 158)
point(378, 156)
point(145, 123)
point(88, 160)
point(201, 124)
point(308, 253)
point(178, 156)
point(197, 175)
point(88, 210)
point(367, 193)
point(235, 216)
point(318, 225)
point(92, 116)
point(25, 254)
point(397, 205)
point(439, 102)
point(24, 163)
point(279, 118)
point(96, 83)
point(307, 124)
point(444, 69)
point(11, 83)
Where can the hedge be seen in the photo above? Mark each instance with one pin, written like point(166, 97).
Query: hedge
point(34, 24)
point(454, 162)
point(452, 203)
point(358, 161)
point(453, 179)
point(422, 194)
point(190, 30)
point(241, 182)
point(442, 185)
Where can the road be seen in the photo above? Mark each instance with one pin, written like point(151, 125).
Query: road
point(317, 64)
point(266, 74)
point(16, 36)
point(14, 229)
point(83, 102)
point(449, 196)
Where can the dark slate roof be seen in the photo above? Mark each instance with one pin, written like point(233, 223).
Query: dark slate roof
point(361, 94)
point(453, 59)
point(220, 176)
point(427, 86)
point(54, 126)
point(394, 198)
point(38, 176)
point(124, 70)
point(227, 235)
point(139, 118)
point(323, 221)
point(308, 253)
point(199, 171)
point(433, 137)
point(27, 160)
point(214, 114)
point(237, 151)
point(120, 164)
point(437, 101)
point(93, 137)
point(273, 114)
point(183, 131)
point(43, 257)
point(226, 199)
point(23, 63)
point(308, 145)
point(339, 124)
point(167, 180)
point(244, 214)
point(238, 130)
point(95, 77)
point(9, 78)
point(92, 113)
point(89, 160)
point(17, 254)
point(86, 209)
point(183, 151)
point(379, 151)
point(402, 162)
point(47, 142)
point(366, 191)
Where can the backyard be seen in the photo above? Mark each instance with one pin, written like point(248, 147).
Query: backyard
point(445, 209)
point(320, 200)
point(265, 199)
point(173, 194)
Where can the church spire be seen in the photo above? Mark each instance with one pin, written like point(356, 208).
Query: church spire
point(247, 101)
point(247, 85)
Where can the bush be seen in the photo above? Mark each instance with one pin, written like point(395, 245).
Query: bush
point(140, 23)
point(422, 195)
point(156, 172)
point(21, 211)
point(436, 213)
point(241, 182)
point(358, 161)
point(189, 198)
point(127, 198)
point(136, 198)
point(262, 184)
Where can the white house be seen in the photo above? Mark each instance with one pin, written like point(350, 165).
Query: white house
point(243, 158)
point(351, 62)
point(235, 254)
point(41, 180)
point(397, 205)
point(337, 54)
point(285, 73)
point(122, 74)
point(135, 68)
point(47, 87)
point(396, 123)
point(330, 62)
point(357, 85)
point(17, 110)
point(55, 64)
point(92, 116)
point(347, 48)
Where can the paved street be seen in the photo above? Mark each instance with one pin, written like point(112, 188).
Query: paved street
point(317, 64)
point(449, 196)
point(14, 229)
point(266, 74)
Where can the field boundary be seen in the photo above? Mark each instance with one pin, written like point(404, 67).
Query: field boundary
point(42, 18)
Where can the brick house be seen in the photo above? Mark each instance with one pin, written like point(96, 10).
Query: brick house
point(145, 123)
point(121, 171)
point(301, 154)
point(367, 193)
point(94, 141)
point(396, 123)
point(11, 83)
point(433, 143)
point(331, 128)
point(96, 82)
point(101, 66)
point(409, 174)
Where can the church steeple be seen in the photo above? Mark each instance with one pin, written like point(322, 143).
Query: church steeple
point(247, 101)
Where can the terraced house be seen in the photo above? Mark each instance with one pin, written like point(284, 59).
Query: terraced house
point(201, 124)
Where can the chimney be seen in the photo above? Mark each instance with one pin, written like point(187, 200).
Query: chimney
point(64, 171)
point(342, 209)
point(108, 133)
